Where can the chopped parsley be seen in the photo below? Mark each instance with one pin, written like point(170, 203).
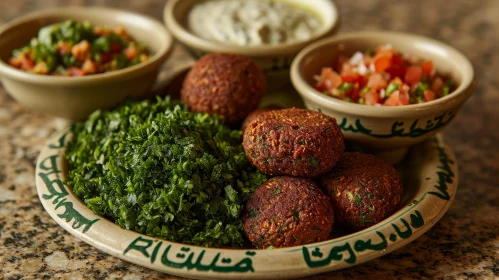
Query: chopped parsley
point(364, 219)
point(276, 192)
point(252, 213)
point(391, 88)
point(358, 200)
point(344, 87)
point(157, 169)
point(313, 161)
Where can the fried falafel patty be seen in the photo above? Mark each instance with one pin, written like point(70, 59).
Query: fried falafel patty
point(255, 114)
point(228, 85)
point(297, 142)
point(287, 211)
point(364, 190)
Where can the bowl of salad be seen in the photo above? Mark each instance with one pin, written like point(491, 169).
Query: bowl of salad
point(387, 90)
point(69, 62)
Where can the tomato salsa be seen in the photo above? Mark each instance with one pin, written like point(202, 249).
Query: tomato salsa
point(383, 77)
point(72, 48)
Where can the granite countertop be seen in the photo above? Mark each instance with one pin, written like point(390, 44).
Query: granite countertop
point(463, 245)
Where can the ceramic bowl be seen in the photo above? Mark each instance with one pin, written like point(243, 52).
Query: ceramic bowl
point(387, 131)
point(275, 60)
point(76, 97)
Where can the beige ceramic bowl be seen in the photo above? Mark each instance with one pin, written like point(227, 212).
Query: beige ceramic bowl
point(387, 130)
point(76, 97)
point(275, 60)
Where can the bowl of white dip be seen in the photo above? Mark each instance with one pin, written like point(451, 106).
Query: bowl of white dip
point(271, 32)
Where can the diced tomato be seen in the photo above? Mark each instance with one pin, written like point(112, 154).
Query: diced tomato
point(404, 97)
point(329, 78)
point(16, 61)
point(354, 94)
point(130, 52)
point(397, 81)
point(413, 75)
point(27, 63)
point(81, 50)
point(397, 60)
point(105, 57)
point(41, 68)
point(363, 82)
point(393, 99)
point(427, 67)
point(63, 47)
point(320, 87)
point(428, 95)
point(396, 70)
point(89, 67)
point(350, 78)
point(437, 84)
point(115, 47)
point(120, 30)
point(75, 71)
point(397, 67)
point(383, 61)
point(367, 59)
point(376, 81)
point(371, 98)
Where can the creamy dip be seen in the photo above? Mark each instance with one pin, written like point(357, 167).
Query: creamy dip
point(252, 22)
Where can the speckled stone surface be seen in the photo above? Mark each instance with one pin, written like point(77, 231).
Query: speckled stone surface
point(463, 245)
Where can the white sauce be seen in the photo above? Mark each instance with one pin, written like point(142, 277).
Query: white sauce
point(252, 22)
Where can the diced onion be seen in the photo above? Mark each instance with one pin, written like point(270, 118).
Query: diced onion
point(382, 93)
point(357, 58)
point(362, 69)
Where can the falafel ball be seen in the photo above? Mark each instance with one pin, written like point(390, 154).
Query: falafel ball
point(255, 114)
point(228, 85)
point(364, 190)
point(287, 211)
point(297, 142)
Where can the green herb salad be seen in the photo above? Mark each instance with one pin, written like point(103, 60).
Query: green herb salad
point(72, 48)
point(160, 170)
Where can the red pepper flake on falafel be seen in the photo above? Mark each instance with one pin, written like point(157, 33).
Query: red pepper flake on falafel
point(364, 190)
point(297, 142)
point(287, 211)
point(228, 85)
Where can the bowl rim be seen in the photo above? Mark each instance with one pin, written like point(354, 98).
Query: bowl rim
point(455, 98)
point(182, 34)
point(152, 63)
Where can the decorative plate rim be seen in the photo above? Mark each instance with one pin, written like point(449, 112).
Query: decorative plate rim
point(430, 203)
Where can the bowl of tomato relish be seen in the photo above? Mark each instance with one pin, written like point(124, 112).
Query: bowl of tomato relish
point(387, 90)
point(69, 62)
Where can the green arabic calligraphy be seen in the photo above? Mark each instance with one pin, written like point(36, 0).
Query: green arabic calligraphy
point(445, 174)
point(184, 259)
point(398, 129)
point(58, 192)
point(341, 252)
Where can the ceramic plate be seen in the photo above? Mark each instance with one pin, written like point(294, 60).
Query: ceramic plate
point(429, 174)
